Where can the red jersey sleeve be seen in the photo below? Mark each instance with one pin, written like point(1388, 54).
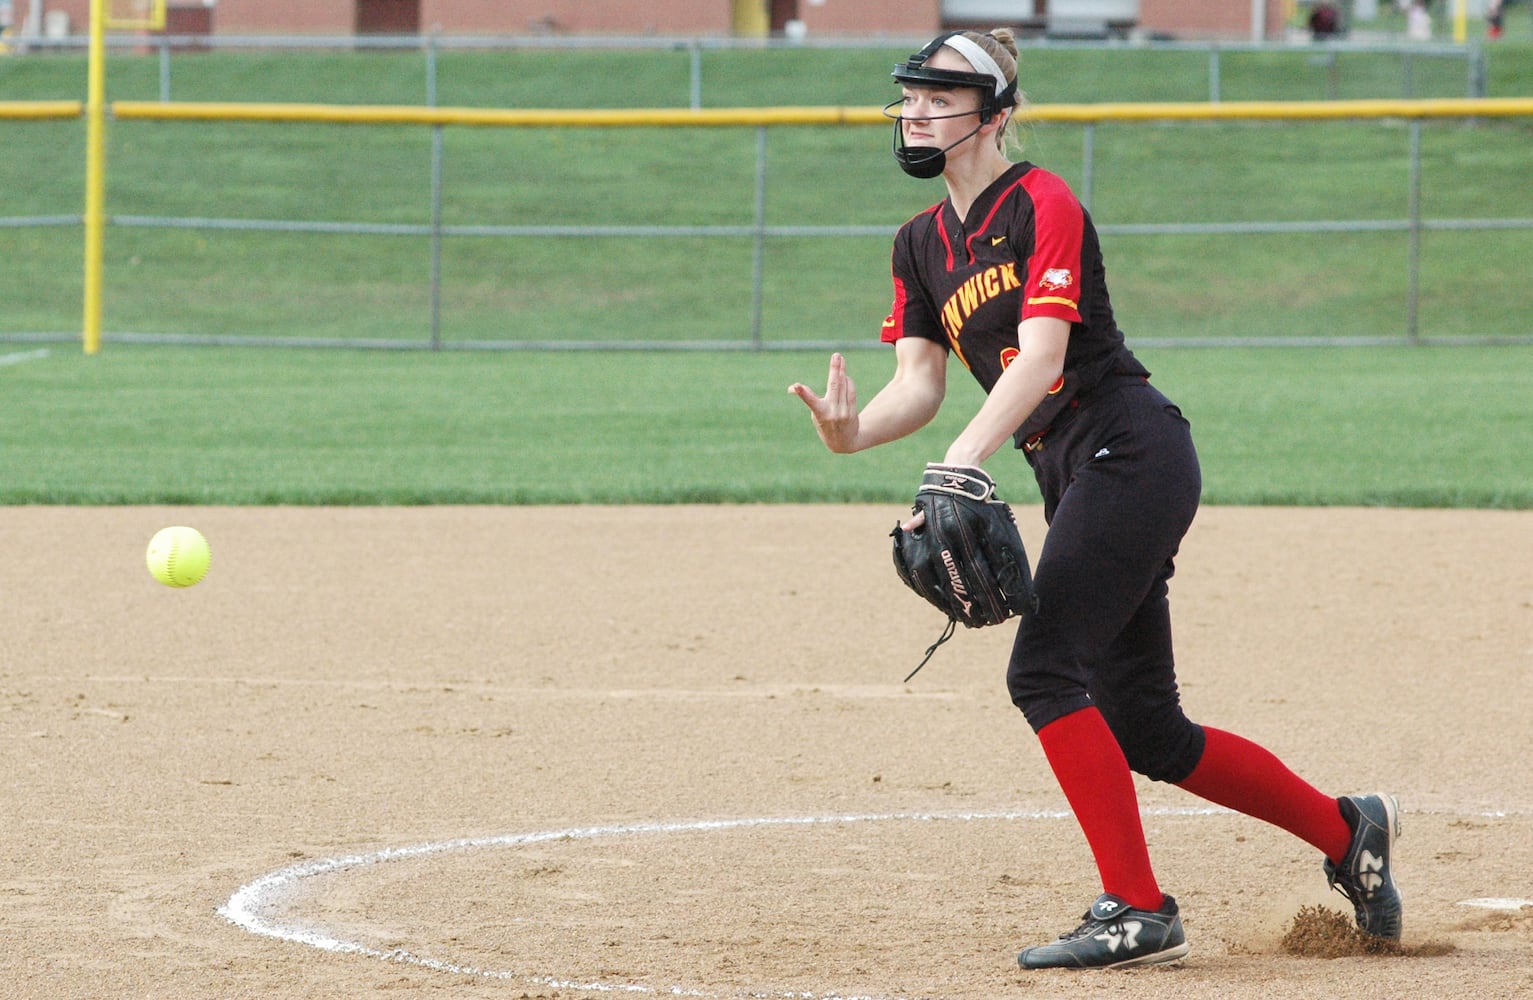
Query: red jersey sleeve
point(1053, 284)
point(894, 323)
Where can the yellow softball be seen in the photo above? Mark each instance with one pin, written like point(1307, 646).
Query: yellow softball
point(178, 556)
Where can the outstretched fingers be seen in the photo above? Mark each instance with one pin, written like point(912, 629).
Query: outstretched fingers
point(835, 413)
point(835, 384)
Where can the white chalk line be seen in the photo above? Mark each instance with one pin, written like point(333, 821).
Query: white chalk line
point(17, 357)
point(865, 692)
point(246, 908)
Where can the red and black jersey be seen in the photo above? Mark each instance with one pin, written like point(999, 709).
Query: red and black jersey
point(1028, 249)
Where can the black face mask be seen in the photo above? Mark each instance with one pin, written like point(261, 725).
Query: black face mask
point(926, 162)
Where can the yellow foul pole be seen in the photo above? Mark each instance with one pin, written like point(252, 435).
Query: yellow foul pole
point(95, 174)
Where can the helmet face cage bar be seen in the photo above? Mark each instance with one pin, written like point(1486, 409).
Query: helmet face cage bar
point(915, 73)
point(892, 110)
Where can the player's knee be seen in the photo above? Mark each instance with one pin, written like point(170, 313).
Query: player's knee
point(1044, 695)
point(1160, 743)
point(1044, 677)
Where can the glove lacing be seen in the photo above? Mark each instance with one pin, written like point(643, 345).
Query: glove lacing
point(947, 633)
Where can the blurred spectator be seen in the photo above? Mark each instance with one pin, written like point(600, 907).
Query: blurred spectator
point(1493, 19)
point(1418, 22)
point(1324, 21)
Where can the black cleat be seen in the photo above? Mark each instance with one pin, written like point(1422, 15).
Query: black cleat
point(1114, 935)
point(1363, 875)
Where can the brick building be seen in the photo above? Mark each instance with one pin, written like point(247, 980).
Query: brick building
point(1227, 19)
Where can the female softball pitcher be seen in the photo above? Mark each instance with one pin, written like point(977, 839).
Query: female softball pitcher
point(1006, 275)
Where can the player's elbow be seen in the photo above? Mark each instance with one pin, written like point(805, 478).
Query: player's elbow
point(922, 401)
point(930, 394)
point(1042, 342)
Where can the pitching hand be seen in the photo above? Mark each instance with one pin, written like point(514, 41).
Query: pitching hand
point(835, 413)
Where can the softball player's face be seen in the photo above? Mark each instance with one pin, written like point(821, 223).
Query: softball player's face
point(936, 117)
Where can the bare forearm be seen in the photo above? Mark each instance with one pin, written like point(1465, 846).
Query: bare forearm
point(907, 403)
point(902, 407)
point(1016, 394)
point(1009, 403)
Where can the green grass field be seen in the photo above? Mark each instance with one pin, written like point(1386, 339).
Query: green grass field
point(182, 425)
point(1406, 426)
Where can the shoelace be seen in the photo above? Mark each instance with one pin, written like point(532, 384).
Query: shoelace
point(1355, 893)
point(1088, 924)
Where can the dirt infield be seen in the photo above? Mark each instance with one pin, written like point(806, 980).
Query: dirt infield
point(603, 752)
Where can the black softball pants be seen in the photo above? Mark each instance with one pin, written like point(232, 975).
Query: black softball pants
point(1120, 482)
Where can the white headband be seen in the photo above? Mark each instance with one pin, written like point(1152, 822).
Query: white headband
point(979, 59)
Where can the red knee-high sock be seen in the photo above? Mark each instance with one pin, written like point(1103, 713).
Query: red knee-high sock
point(1240, 775)
point(1096, 781)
